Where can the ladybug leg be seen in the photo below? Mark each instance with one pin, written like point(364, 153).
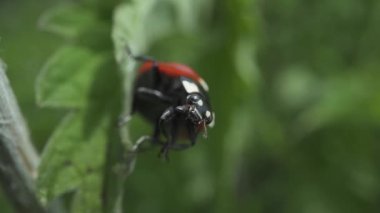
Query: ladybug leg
point(156, 134)
point(165, 149)
point(171, 141)
point(192, 138)
point(167, 122)
point(142, 58)
point(173, 136)
point(164, 152)
point(166, 116)
point(142, 140)
point(192, 134)
point(153, 95)
point(137, 146)
point(155, 139)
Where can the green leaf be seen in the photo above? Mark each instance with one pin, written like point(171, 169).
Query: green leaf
point(66, 78)
point(74, 159)
point(128, 28)
point(68, 20)
point(190, 14)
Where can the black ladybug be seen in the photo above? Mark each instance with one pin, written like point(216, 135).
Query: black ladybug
point(174, 98)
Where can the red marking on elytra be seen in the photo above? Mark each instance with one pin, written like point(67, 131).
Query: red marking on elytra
point(171, 69)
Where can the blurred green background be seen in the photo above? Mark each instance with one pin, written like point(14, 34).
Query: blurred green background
point(295, 87)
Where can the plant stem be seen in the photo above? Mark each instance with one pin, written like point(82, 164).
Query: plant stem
point(18, 158)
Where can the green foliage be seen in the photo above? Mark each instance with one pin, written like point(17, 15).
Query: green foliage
point(78, 76)
point(68, 20)
point(69, 163)
point(71, 79)
point(67, 77)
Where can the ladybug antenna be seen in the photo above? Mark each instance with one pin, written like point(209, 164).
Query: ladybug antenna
point(205, 129)
point(141, 58)
point(129, 51)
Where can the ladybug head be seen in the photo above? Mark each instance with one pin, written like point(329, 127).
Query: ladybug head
point(199, 110)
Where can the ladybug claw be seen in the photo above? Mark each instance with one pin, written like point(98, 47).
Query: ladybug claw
point(137, 57)
point(164, 152)
point(123, 120)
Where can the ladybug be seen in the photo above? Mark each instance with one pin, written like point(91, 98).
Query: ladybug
point(174, 99)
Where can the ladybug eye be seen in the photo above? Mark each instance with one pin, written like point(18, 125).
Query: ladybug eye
point(192, 99)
